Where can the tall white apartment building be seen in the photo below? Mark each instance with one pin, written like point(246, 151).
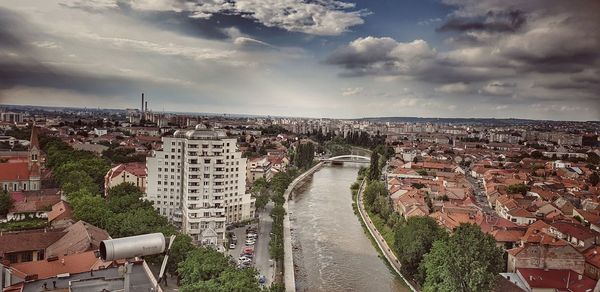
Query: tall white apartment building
point(198, 181)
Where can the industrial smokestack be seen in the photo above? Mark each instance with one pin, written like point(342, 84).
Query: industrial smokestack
point(146, 109)
point(142, 102)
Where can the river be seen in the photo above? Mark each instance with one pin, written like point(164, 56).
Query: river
point(331, 250)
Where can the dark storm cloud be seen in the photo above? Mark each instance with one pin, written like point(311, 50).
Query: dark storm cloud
point(35, 74)
point(22, 67)
point(505, 21)
point(571, 62)
point(11, 24)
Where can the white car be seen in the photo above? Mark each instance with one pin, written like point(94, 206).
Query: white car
point(245, 260)
point(232, 246)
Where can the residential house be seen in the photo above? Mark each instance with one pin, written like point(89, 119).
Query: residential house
point(134, 173)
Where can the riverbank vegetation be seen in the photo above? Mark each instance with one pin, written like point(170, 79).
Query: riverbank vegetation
point(430, 256)
point(122, 213)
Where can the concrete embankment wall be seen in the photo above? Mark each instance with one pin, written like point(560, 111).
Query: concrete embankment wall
point(288, 258)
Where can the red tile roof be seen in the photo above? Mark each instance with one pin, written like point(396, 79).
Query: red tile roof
point(28, 240)
point(14, 171)
point(135, 168)
point(75, 263)
point(61, 208)
point(575, 230)
point(592, 256)
point(561, 280)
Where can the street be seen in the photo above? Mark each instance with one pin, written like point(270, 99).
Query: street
point(261, 261)
point(482, 200)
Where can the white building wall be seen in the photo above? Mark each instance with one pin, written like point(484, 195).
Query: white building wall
point(198, 180)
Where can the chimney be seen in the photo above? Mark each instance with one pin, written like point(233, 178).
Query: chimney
point(142, 102)
point(146, 109)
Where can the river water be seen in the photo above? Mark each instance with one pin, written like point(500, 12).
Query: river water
point(331, 250)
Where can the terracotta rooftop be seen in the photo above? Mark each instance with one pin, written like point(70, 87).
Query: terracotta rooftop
point(79, 237)
point(561, 280)
point(28, 240)
point(58, 209)
point(592, 256)
point(575, 230)
point(14, 171)
point(74, 263)
point(135, 168)
point(513, 235)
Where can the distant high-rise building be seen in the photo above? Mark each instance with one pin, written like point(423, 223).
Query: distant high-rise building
point(11, 117)
point(198, 181)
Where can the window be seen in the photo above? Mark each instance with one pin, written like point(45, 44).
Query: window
point(12, 258)
point(27, 257)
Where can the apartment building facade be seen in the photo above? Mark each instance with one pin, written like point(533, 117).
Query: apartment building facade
point(198, 181)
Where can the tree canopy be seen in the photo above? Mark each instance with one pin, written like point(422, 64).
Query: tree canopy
point(6, 203)
point(413, 240)
point(206, 269)
point(467, 261)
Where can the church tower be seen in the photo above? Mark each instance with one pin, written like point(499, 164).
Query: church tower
point(34, 161)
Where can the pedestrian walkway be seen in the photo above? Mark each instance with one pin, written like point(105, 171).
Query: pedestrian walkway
point(383, 246)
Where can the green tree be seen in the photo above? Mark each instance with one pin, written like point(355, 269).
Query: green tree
point(260, 190)
point(467, 261)
point(202, 264)
point(413, 240)
point(305, 155)
point(594, 179)
point(135, 222)
point(374, 168)
point(90, 208)
point(517, 189)
point(536, 154)
point(124, 189)
point(373, 190)
point(593, 158)
point(179, 251)
point(6, 203)
point(77, 180)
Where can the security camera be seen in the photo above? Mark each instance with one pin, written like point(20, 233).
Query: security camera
point(132, 246)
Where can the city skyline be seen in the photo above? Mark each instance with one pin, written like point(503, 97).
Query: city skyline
point(351, 59)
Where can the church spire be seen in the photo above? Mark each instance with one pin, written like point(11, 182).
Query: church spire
point(33, 141)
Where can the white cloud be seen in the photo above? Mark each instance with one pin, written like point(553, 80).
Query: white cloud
point(383, 56)
point(459, 87)
point(170, 49)
point(352, 91)
point(324, 17)
point(498, 88)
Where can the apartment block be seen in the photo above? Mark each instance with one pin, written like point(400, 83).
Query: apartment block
point(198, 181)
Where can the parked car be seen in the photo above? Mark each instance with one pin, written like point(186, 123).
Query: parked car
point(232, 245)
point(262, 279)
point(233, 237)
point(252, 235)
point(243, 259)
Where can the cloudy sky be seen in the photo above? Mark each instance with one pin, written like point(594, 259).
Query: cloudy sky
point(535, 59)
